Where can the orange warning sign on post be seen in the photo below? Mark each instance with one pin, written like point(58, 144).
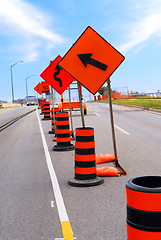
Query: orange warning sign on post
point(45, 87)
point(38, 88)
point(57, 77)
point(91, 60)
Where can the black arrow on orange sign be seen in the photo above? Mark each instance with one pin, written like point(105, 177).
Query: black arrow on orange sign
point(55, 75)
point(86, 58)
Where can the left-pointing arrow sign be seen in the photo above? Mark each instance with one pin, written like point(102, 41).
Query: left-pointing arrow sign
point(86, 58)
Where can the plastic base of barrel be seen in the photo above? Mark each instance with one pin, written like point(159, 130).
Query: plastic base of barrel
point(85, 183)
point(46, 118)
point(52, 131)
point(63, 148)
point(133, 234)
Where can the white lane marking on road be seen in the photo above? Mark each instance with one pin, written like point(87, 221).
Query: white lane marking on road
point(97, 114)
point(52, 204)
point(122, 130)
point(56, 189)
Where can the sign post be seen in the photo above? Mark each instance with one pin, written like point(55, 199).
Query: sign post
point(53, 108)
point(80, 103)
point(122, 171)
point(71, 116)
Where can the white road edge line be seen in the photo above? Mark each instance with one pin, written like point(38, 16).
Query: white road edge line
point(122, 130)
point(56, 189)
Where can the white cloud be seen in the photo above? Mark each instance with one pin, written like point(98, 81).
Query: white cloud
point(31, 57)
point(27, 21)
point(31, 52)
point(143, 28)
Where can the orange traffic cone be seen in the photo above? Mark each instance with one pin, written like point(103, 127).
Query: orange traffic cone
point(107, 171)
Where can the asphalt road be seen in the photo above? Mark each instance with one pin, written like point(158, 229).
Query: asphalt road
point(28, 208)
point(10, 114)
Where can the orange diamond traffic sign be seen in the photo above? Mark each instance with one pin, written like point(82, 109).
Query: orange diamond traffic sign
point(91, 60)
point(38, 88)
point(56, 77)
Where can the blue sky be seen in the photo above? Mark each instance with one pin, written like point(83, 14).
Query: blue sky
point(36, 31)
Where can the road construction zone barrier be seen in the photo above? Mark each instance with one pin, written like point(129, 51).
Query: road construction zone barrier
point(42, 106)
point(144, 208)
point(39, 103)
point(85, 159)
point(46, 111)
point(63, 132)
point(53, 130)
point(99, 97)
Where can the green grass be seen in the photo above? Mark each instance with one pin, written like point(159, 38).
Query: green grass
point(147, 103)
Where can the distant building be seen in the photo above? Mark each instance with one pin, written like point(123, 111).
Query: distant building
point(30, 98)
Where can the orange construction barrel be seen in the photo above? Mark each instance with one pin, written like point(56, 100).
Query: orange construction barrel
point(144, 208)
point(46, 111)
point(53, 130)
point(63, 132)
point(85, 159)
point(42, 106)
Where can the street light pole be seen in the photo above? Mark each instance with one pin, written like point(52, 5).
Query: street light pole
point(27, 87)
point(12, 80)
point(12, 86)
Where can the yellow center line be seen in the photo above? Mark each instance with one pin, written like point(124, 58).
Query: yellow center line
point(5, 110)
point(6, 125)
point(67, 230)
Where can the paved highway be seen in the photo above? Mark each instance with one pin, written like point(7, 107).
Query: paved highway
point(10, 115)
point(29, 208)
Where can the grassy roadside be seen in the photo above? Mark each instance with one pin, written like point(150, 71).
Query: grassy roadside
point(146, 103)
